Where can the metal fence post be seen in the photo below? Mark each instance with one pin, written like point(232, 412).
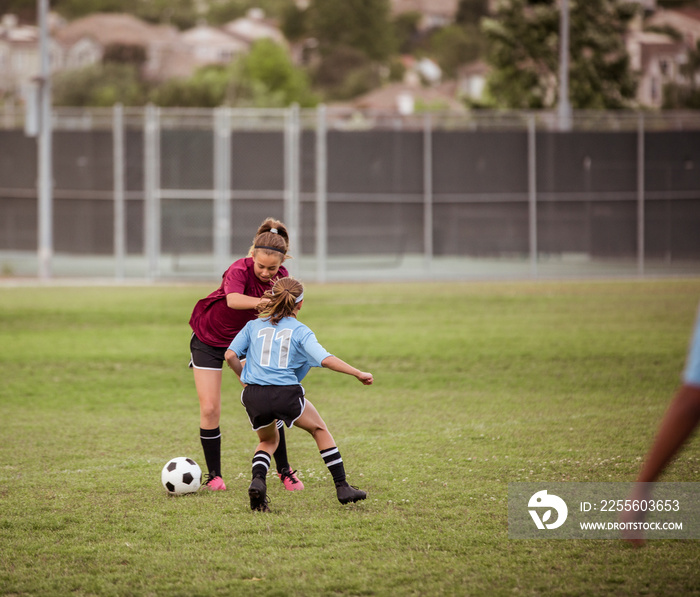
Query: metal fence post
point(222, 187)
point(152, 211)
point(640, 194)
point(291, 178)
point(118, 185)
point(428, 190)
point(45, 159)
point(321, 194)
point(532, 191)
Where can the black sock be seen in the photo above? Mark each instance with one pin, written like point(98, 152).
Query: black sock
point(261, 464)
point(280, 454)
point(334, 462)
point(211, 444)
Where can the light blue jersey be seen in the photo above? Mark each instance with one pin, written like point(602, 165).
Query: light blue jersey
point(277, 355)
point(691, 375)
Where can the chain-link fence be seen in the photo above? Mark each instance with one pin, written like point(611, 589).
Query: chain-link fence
point(162, 193)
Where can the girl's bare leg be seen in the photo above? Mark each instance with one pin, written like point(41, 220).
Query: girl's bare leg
point(312, 422)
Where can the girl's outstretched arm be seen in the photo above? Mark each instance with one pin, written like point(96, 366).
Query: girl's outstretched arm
point(335, 364)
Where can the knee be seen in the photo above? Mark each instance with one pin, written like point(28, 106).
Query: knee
point(210, 411)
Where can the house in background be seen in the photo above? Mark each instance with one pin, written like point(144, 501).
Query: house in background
point(83, 42)
point(684, 20)
point(19, 54)
point(211, 45)
point(407, 99)
point(656, 56)
point(253, 27)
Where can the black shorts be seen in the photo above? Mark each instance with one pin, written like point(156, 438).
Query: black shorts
point(264, 404)
point(203, 356)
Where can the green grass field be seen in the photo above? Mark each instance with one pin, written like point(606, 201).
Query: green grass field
point(476, 385)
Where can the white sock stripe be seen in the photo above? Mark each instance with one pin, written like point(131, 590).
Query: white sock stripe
point(262, 458)
point(210, 437)
point(334, 462)
point(329, 452)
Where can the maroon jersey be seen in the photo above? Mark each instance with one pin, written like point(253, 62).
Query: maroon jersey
point(213, 321)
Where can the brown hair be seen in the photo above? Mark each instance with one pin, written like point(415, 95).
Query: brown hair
point(283, 299)
point(272, 238)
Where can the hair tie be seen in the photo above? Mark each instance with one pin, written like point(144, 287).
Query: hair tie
point(273, 230)
point(270, 249)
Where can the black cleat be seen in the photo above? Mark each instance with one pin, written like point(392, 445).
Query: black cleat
point(348, 493)
point(257, 492)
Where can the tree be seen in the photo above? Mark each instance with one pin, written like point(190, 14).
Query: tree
point(266, 77)
point(263, 78)
point(100, 85)
point(180, 13)
point(346, 72)
point(455, 45)
point(75, 9)
point(206, 88)
point(293, 23)
point(406, 31)
point(360, 24)
point(470, 12)
point(523, 50)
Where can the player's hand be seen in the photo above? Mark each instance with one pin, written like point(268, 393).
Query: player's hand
point(262, 304)
point(366, 378)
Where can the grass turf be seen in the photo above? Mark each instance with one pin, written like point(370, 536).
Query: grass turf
point(476, 385)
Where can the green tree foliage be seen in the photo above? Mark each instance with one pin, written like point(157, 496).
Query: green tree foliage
point(265, 77)
point(360, 24)
point(206, 88)
point(354, 39)
point(455, 45)
point(75, 9)
point(100, 85)
point(470, 12)
point(180, 13)
point(406, 31)
point(524, 53)
point(346, 72)
point(293, 23)
point(24, 9)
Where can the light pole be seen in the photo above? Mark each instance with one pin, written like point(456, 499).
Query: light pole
point(44, 158)
point(564, 107)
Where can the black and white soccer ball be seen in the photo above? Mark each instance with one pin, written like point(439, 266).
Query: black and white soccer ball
point(181, 475)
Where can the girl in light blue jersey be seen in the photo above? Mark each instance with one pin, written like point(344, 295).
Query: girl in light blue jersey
point(678, 424)
point(279, 350)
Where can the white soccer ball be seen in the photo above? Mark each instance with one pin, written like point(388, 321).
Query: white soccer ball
point(181, 475)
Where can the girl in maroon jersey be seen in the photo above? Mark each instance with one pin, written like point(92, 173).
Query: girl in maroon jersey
point(215, 321)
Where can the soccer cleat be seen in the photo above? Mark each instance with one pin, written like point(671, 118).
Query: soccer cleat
point(348, 493)
point(290, 480)
point(257, 492)
point(215, 483)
